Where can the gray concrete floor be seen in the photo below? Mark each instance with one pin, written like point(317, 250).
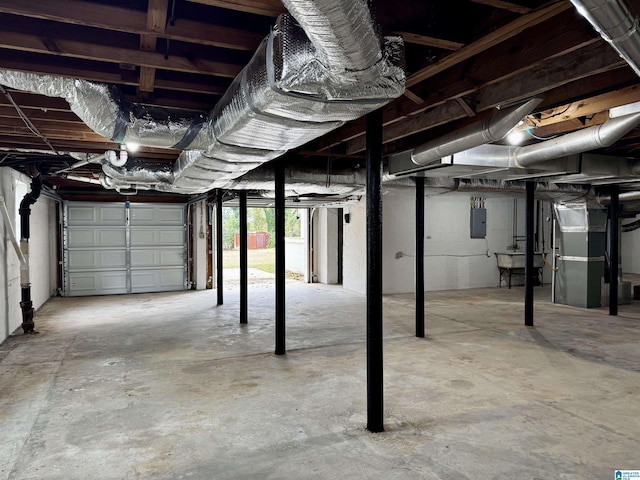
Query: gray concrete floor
point(169, 386)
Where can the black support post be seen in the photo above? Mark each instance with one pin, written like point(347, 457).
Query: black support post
point(375, 391)
point(280, 261)
point(244, 246)
point(419, 257)
point(219, 247)
point(529, 273)
point(614, 231)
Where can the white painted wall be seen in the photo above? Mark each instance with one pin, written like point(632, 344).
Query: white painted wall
point(296, 248)
point(200, 245)
point(326, 249)
point(630, 251)
point(453, 260)
point(39, 252)
point(354, 274)
point(13, 186)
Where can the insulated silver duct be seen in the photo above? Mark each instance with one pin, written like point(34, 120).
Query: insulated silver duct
point(613, 20)
point(308, 77)
point(489, 130)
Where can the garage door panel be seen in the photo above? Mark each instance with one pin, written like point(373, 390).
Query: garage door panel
point(157, 215)
point(92, 260)
point(165, 279)
point(157, 258)
point(105, 255)
point(97, 283)
point(147, 236)
point(91, 214)
point(85, 237)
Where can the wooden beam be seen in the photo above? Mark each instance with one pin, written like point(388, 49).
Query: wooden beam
point(586, 107)
point(413, 97)
point(416, 123)
point(501, 4)
point(33, 100)
point(465, 106)
point(269, 8)
point(127, 20)
point(594, 58)
point(76, 68)
point(103, 53)
point(548, 131)
point(556, 39)
point(591, 60)
point(429, 41)
point(559, 37)
point(38, 114)
point(494, 38)
point(156, 22)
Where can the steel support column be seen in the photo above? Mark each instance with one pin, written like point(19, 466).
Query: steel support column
point(375, 391)
point(529, 273)
point(280, 260)
point(219, 247)
point(419, 256)
point(244, 246)
point(614, 229)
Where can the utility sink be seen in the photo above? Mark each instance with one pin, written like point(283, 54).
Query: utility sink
point(517, 260)
point(511, 267)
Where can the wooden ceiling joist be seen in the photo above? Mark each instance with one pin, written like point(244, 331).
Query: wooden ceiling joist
point(494, 38)
point(269, 8)
point(83, 50)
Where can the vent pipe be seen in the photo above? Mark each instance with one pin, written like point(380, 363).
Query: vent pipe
point(26, 304)
point(598, 136)
point(489, 130)
point(613, 20)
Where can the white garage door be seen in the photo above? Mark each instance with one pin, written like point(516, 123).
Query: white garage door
point(112, 248)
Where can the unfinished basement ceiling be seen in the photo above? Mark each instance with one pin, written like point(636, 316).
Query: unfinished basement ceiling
point(464, 60)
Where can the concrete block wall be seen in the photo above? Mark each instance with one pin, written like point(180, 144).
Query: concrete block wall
point(13, 187)
point(453, 260)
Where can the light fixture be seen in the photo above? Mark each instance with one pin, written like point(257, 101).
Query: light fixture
point(132, 146)
point(516, 135)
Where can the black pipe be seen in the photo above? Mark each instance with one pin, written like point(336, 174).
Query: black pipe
point(614, 257)
point(244, 275)
point(219, 247)
point(280, 260)
point(25, 206)
point(529, 274)
point(26, 304)
point(630, 227)
point(419, 257)
point(375, 393)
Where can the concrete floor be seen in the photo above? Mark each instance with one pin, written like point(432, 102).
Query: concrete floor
point(169, 386)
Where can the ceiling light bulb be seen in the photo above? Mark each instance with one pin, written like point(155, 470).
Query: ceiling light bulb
point(515, 137)
point(132, 146)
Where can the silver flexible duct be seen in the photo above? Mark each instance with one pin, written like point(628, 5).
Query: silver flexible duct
point(306, 79)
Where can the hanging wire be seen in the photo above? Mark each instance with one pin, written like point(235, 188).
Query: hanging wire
point(26, 120)
point(329, 168)
point(541, 138)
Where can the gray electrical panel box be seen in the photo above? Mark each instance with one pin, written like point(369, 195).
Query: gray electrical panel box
point(478, 222)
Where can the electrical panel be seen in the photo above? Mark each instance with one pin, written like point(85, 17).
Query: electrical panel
point(478, 217)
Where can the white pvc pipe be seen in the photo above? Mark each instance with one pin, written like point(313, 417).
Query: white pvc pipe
point(12, 233)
